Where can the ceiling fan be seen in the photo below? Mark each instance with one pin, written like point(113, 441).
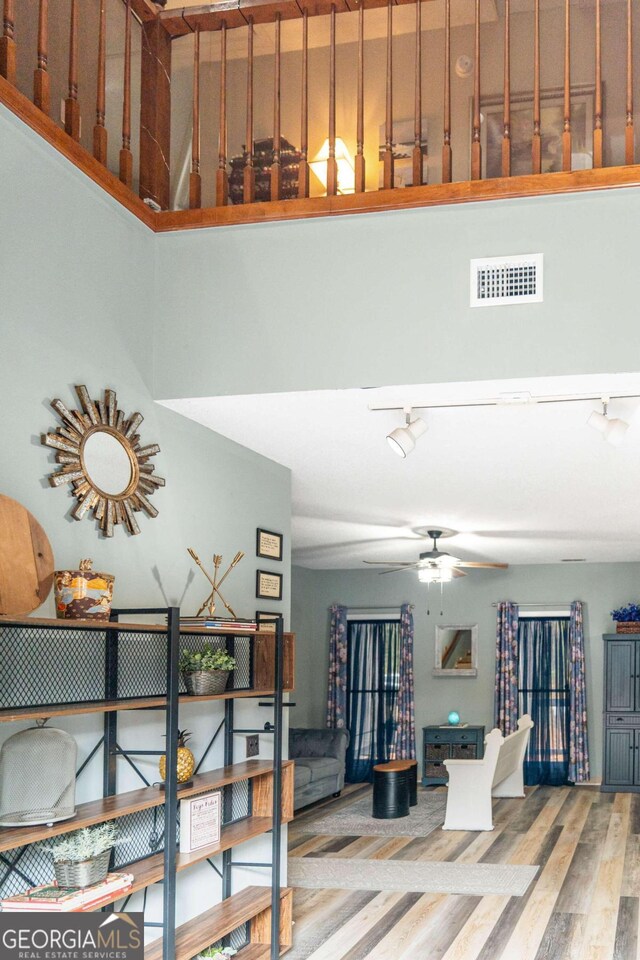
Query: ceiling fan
point(435, 566)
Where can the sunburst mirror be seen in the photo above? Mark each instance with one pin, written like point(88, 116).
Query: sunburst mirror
point(100, 455)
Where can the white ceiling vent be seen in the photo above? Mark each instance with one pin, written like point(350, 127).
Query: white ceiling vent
point(503, 280)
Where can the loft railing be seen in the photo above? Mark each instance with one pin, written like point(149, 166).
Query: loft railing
point(254, 110)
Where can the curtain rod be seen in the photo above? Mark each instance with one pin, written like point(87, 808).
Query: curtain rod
point(396, 606)
point(539, 603)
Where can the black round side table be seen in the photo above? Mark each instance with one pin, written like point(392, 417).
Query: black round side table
point(391, 790)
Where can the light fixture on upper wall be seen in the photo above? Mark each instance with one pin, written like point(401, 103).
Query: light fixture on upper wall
point(402, 440)
point(344, 162)
point(611, 428)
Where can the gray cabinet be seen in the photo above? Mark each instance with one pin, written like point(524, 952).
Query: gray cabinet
point(441, 743)
point(621, 767)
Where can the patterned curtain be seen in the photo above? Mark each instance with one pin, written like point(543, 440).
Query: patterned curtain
point(578, 742)
point(404, 738)
point(337, 687)
point(506, 693)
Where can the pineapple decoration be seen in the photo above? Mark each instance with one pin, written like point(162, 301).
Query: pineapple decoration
point(186, 759)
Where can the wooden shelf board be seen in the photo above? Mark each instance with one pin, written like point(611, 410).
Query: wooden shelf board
point(160, 628)
point(215, 923)
point(11, 714)
point(110, 808)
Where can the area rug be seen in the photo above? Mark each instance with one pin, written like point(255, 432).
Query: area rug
point(415, 876)
point(356, 820)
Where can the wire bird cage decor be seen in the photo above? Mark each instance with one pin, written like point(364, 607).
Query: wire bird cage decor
point(37, 777)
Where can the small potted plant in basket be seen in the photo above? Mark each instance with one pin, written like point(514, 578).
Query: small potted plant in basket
point(81, 858)
point(220, 952)
point(627, 618)
point(206, 672)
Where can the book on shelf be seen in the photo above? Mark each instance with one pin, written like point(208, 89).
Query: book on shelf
point(219, 623)
point(52, 898)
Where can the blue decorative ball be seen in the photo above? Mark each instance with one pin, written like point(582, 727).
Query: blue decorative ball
point(454, 718)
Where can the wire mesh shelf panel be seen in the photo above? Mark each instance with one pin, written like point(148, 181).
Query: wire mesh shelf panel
point(140, 835)
point(24, 867)
point(142, 664)
point(236, 801)
point(43, 666)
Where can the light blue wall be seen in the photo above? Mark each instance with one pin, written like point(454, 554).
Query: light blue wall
point(76, 272)
point(383, 298)
point(601, 586)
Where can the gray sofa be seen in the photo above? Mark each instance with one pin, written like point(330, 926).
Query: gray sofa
point(319, 763)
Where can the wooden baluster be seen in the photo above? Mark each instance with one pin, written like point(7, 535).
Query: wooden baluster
point(222, 179)
point(8, 43)
point(195, 180)
point(71, 105)
point(249, 177)
point(360, 165)
point(476, 148)
point(303, 171)
point(417, 116)
point(597, 114)
point(276, 169)
point(126, 157)
point(446, 146)
point(629, 146)
point(99, 129)
point(566, 133)
point(388, 127)
point(506, 116)
point(536, 142)
point(332, 166)
point(41, 73)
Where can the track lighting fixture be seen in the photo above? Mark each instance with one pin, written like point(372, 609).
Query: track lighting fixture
point(611, 428)
point(402, 440)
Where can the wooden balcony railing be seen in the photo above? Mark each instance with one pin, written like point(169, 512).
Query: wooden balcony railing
point(393, 104)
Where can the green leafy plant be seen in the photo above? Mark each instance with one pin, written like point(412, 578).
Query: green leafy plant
point(217, 952)
point(84, 844)
point(207, 659)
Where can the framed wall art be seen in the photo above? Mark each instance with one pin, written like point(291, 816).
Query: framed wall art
point(268, 585)
point(266, 620)
point(269, 544)
point(551, 128)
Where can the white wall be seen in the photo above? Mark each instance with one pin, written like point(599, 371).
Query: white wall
point(601, 586)
point(76, 271)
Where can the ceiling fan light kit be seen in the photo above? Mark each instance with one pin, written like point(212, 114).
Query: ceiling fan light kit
point(402, 440)
point(611, 428)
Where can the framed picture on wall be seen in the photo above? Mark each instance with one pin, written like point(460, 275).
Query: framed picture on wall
point(269, 544)
point(551, 128)
point(266, 620)
point(268, 585)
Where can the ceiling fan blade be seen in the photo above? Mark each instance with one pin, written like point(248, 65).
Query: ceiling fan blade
point(486, 566)
point(459, 573)
point(391, 563)
point(413, 566)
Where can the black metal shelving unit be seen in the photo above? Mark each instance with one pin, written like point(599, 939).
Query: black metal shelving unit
point(69, 684)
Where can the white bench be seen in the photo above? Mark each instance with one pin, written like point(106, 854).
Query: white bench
point(472, 783)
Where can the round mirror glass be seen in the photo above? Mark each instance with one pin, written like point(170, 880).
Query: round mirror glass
point(107, 463)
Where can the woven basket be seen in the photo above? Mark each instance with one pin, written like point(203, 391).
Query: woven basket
point(83, 873)
point(203, 683)
point(627, 626)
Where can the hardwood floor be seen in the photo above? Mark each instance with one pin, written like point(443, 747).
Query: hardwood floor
point(583, 904)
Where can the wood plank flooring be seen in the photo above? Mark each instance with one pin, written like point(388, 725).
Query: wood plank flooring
point(583, 905)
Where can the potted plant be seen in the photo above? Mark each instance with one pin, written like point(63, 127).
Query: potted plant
point(627, 618)
point(219, 952)
point(81, 858)
point(206, 672)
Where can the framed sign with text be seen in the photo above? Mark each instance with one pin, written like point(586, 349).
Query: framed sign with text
point(200, 821)
point(268, 585)
point(269, 544)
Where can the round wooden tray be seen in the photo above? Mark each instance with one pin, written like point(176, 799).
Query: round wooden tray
point(26, 560)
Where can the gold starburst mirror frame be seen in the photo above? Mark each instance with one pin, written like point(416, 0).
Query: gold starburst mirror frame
point(101, 457)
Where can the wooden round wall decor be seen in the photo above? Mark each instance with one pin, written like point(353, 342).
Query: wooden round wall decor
point(26, 560)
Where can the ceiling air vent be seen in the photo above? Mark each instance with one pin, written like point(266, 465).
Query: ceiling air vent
point(503, 280)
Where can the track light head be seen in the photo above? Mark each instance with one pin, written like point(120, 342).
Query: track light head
point(611, 428)
point(402, 440)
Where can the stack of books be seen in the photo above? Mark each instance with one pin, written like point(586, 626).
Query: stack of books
point(55, 899)
point(219, 623)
